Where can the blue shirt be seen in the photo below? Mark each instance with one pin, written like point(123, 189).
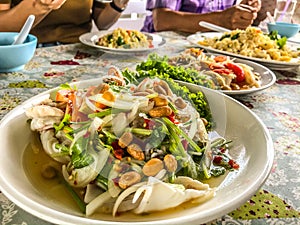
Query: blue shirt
point(194, 6)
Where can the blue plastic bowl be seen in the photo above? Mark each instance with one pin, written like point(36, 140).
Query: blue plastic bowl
point(284, 29)
point(14, 57)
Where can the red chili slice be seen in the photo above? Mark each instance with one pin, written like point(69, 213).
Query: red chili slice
point(237, 70)
point(173, 119)
point(233, 164)
point(223, 71)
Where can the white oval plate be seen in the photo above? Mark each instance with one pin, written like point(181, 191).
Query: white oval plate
point(91, 38)
point(271, 64)
point(252, 149)
point(267, 77)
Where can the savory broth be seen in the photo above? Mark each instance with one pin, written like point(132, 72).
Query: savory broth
point(34, 158)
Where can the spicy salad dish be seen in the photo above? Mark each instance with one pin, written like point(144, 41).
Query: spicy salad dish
point(131, 146)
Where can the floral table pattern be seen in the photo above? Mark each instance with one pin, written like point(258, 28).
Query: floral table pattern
point(278, 200)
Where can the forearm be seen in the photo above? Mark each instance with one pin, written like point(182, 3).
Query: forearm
point(13, 19)
point(105, 17)
point(166, 19)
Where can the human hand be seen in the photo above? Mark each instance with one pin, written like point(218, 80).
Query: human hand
point(256, 4)
point(50, 4)
point(238, 17)
point(121, 3)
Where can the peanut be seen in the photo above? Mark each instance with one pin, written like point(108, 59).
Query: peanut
point(48, 171)
point(170, 163)
point(135, 151)
point(152, 167)
point(129, 178)
point(159, 90)
point(180, 103)
point(160, 111)
point(125, 139)
point(166, 87)
point(205, 122)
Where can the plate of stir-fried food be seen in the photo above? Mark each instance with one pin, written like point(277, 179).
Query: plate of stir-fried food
point(232, 76)
point(270, 49)
point(123, 41)
point(127, 150)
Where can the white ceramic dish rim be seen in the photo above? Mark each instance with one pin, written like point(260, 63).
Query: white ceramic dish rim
point(272, 64)
point(25, 43)
point(90, 38)
point(58, 217)
point(268, 77)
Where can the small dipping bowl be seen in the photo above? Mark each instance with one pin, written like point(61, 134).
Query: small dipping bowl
point(14, 57)
point(284, 29)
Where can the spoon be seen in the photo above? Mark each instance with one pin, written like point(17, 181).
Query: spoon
point(271, 18)
point(24, 31)
point(213, 27)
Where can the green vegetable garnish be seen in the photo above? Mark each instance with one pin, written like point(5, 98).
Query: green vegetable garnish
point(120, 41)
point(236, 36)
point(157, 66)
point(224, 36)
point(281, 41)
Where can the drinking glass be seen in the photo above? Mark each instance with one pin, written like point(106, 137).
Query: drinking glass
point(284, 10)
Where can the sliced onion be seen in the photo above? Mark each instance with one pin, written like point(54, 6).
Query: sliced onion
point(119, 123)
point(126, 193)
point(91, 105)
point(97, 202)
point(132, 115)
point(95, 125)
point(193, 127)
point(92, 191)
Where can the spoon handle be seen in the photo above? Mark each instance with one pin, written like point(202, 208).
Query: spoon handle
point(271, 18)
point(24, 31)
point(213, 27)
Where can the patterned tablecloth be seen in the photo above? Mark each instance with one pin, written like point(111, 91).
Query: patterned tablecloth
point(276, 203)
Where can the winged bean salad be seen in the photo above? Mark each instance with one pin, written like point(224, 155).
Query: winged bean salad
point(129, 145)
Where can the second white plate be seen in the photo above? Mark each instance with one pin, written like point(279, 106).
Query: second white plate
point(91, 38)
point(271, 64)
point(267, 78)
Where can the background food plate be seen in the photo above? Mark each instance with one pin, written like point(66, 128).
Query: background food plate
point(295, 39)
point(252, 149)
point(91, 38)
point(267, 77)
point(271, 64)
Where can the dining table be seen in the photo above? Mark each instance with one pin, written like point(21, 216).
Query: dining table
point(276, 202)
